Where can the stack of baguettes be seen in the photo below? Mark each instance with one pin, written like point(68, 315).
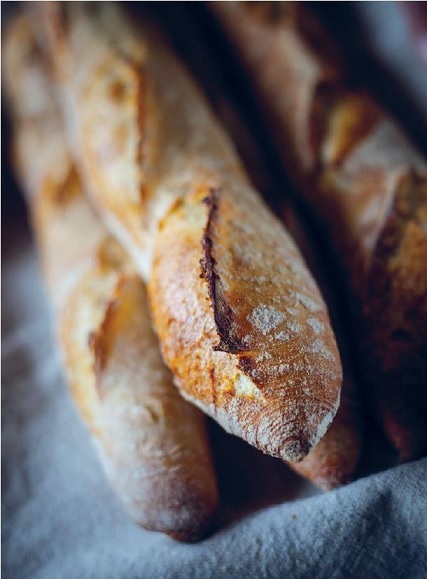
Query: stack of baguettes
point(240, 321)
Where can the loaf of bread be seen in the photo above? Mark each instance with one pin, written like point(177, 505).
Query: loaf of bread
point(241, 322)
point(335, 460)
point(152, 443)
point(367, 185)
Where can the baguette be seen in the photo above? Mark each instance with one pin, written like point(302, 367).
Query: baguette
point(367, 185)
point(153, 445)
point(335, 459)
point(232, 301)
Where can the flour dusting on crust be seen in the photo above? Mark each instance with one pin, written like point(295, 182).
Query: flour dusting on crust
point(265, 318)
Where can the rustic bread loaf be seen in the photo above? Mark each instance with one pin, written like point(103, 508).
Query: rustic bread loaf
point(153, 444)
point(232, 300)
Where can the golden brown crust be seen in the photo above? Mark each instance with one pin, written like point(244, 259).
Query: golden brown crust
point(230, 295)
point(253, 369)
point(152, 443)
point(289, 32)
point(353, 165)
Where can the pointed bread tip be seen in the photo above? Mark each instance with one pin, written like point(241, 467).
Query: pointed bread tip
point(295, 450)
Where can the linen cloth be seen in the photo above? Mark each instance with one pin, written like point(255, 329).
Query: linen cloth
point(61, 520)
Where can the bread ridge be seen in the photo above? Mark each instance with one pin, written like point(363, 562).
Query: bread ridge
point(185, 190)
